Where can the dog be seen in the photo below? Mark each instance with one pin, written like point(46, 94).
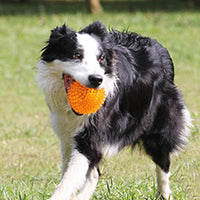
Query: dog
point(142, 105)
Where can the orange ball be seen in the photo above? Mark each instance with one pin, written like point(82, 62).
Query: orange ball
point(85, 100)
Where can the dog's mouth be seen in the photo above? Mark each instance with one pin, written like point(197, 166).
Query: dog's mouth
point(68, 80)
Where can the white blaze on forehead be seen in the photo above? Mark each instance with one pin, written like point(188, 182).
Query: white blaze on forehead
point(89, 45)
point(89, 64)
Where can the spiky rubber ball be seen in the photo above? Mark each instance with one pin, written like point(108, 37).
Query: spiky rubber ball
point(82, 99)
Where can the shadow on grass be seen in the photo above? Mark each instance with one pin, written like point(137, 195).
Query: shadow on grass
point(111, 6)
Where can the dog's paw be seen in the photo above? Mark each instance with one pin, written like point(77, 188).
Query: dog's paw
point(57, 197)
point(160, 196)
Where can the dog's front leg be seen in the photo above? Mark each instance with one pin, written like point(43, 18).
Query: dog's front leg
point(73, 178)
point(89, 186)
point(66, 149)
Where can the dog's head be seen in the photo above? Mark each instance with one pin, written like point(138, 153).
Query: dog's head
point(82, 55)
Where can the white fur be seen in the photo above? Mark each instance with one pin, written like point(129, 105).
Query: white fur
point(185, 131)
point(188, 125)
point(73, 179)
point(63, 121)
point(65, 126)
point(163, 184)
point(89, 186)
point(49, 77)
point(110, 150)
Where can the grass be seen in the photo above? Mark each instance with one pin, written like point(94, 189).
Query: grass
point(30, 163)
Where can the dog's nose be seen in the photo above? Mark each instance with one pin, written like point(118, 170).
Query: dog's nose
point(95, 79)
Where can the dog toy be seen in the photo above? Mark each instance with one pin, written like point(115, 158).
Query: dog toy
point(82, 99)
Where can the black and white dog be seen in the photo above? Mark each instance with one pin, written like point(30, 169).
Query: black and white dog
point(142, 106)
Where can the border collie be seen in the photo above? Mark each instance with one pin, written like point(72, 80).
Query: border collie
point(142, 105)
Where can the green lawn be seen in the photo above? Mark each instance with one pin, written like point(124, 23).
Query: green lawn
point(30, 163)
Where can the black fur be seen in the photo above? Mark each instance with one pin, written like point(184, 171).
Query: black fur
point(61, 45)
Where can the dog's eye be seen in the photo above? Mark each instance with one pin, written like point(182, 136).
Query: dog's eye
point(77, 56)
point(101, 58)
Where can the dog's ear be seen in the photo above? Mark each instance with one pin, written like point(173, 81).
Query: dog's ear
point(60, 39)
point(97, 28)
point(60, 32)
